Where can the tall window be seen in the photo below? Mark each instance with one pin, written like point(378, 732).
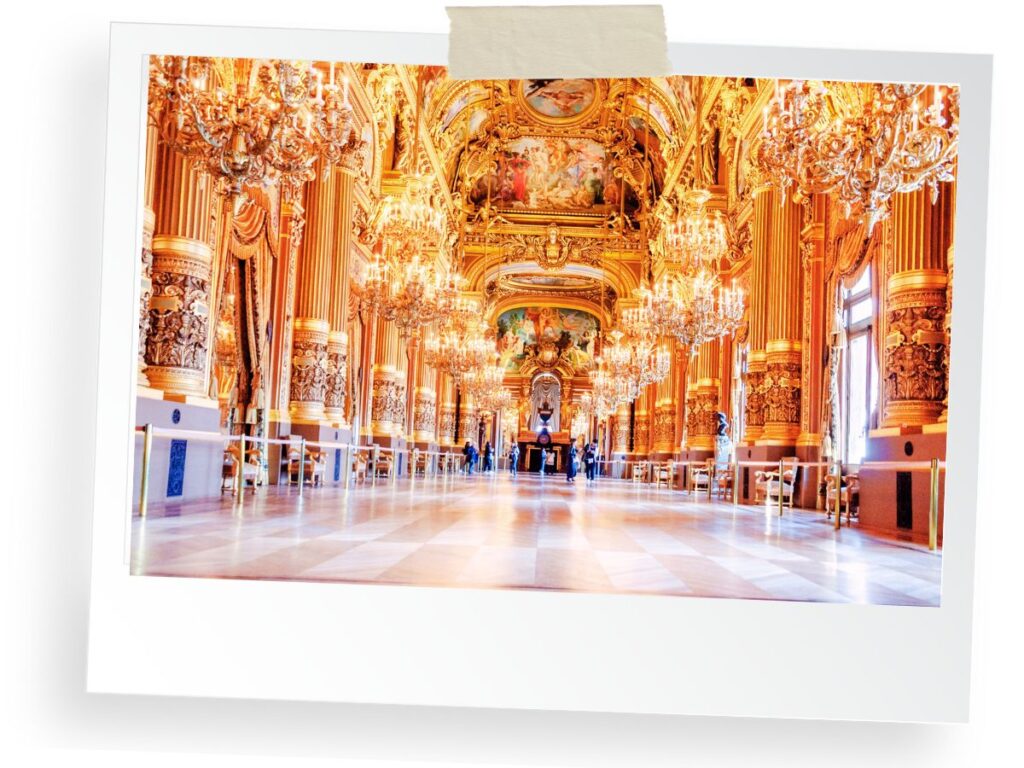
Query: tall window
point(859, 377)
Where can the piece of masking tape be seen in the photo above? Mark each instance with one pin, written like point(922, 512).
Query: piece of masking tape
point(557, 41)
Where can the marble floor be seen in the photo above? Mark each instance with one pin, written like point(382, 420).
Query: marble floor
point(490, 531)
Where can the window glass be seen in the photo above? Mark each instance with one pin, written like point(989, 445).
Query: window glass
point(863, 283)
point(860, 310)
point(857, 421)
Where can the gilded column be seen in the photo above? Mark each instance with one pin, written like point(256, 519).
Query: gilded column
point(283, 305)
point(620, 430)
point(702, 422)
point(469, 420)
point(915, 343)
point(386, 403)
point(148, 226)
point(757, 363)
point(781, 385)
point(337, 338)
point(424, 405)
point(446, 420)
point(312, 306)
point(642, 425)
point(813, 342)
point(177, 345)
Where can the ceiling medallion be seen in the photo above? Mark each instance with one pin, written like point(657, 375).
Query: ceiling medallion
point(559, 101)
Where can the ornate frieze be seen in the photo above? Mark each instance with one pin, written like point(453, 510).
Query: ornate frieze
point(336, 375)
point(781, 388)
point(309, 369)
point(915, 377)
point(424, 414)
point(145, 290)
point(641, 432)
point(665, 428)
point(387, 405)
point(446, 425)
point(702, 421)
point(179, 316)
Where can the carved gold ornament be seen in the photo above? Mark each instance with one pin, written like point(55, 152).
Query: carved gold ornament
point(862, 142)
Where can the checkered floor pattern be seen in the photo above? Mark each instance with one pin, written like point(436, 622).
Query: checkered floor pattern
point(493, 531)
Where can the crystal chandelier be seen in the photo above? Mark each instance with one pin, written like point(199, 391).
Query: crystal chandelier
point(696, 238)
point(485, 380)
point(693, 308)
point(410, 294)
point(636, 361)
point(408, 223)
point(256, 122)
point(607, 391)
point(862, 141)
point(460, 347)
point(688, 301)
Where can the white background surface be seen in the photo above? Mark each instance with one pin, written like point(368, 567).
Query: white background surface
point(56, 76)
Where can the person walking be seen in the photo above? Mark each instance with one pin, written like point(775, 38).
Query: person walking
point(571, 463)
point(469, 452)
point(513, 459)
point(488, 457)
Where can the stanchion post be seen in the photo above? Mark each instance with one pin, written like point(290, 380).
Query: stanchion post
point(302, 464)
point(375, 457)
point(736, 481)
point(780, 486)
point(241, 468)
point(839, 494)
point(416, 463)
point(147, 451)
point(933, 507)
point(346, 472)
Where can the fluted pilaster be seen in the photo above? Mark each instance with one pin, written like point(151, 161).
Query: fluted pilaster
point(177, 342)
point(312, 301)
point(781, 383)
point(765, 204)
point(915, 364)
point(336, 398)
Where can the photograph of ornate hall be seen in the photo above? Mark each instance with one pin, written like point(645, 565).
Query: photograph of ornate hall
point(681, 336)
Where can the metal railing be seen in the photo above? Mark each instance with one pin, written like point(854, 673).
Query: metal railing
point(446, 463)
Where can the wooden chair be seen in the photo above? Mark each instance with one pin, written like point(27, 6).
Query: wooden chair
point(360, 463)
point(848, 493)
point(724, 479)
point(663, 473)
point(702, 476)
point(420, 462)
point(639, 471)
point(252, 469)
point(384, 466)
point(790, 475)
point(313, 469)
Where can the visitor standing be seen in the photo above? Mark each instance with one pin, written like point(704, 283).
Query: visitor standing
point(589, 462)
point(571, 463)
point(488, 457)
point(513, 459)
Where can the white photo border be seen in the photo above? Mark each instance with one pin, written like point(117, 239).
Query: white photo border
point(524, 649)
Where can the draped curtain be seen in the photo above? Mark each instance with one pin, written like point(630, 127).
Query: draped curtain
point(849, 250)
point(254, 242)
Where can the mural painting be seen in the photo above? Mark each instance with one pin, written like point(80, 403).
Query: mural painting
point(547, 334)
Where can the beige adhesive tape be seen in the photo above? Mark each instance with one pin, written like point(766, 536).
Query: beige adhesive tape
point(557, 41)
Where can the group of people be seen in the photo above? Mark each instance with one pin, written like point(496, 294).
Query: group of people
point(471, 457)
point(588, 460)
point(574, 461)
